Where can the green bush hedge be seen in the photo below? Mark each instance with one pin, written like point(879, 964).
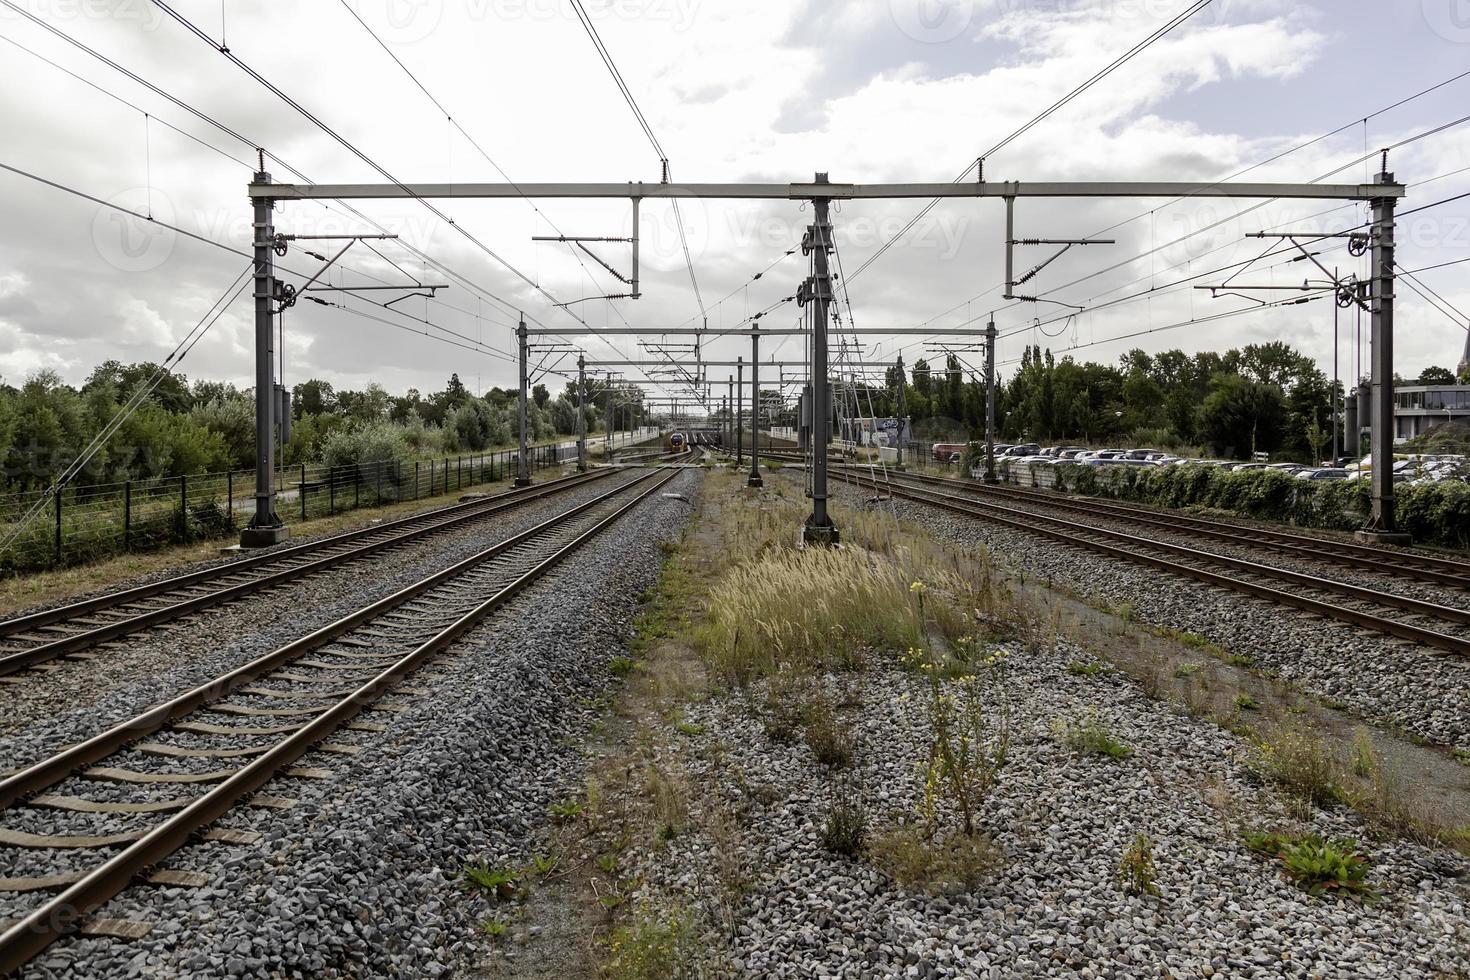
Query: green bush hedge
point(1434, 513)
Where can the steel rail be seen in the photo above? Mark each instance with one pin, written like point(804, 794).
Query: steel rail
point(413, 528)
point(48, 772)
point(1076, 535)
point(1429, 568)
point(54, 918)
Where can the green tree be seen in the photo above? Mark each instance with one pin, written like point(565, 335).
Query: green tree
point(1242, 416)
point(313, 397)
point(1434, 375)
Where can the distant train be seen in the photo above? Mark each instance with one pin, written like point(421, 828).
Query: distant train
point(681, 439)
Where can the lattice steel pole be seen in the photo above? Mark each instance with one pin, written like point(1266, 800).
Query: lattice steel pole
point(523, 463)
point(990, 402)
point(818, 290)
point(1383, 527)
point(265, 527)
point(581, 413)
point(754, 480)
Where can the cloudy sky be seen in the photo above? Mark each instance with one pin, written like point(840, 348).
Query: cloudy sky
point(769, 90)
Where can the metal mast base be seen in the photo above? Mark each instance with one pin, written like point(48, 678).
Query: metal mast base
point(263, 537)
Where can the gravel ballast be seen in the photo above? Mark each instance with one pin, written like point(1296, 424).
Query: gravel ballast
point(79, 698)
point(359, 877)
point(1381, 679)
point(1061, 821)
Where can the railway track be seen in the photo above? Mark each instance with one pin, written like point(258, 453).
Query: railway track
point(266, 715)
point(1422, 567)
point(39, 637)
point(1384, 612)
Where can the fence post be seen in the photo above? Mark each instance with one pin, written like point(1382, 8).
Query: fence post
point(57, 558)
point(378, 485)
point(302, 491)
point(415, 479)
point(229, 496)
point(128, 516)
point(432, 488)
point(183, 507)
point(331, 489)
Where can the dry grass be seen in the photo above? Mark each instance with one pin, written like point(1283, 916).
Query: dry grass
point(815, 609)
point(943, 865)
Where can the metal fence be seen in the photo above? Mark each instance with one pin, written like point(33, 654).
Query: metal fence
point(84, 523)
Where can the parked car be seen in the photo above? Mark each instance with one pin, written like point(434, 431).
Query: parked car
point(1322, 473)
point(1024, 449)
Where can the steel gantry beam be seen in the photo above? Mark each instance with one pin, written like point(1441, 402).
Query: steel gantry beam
point(816, 289)
point(716, 332)
point(832, 192)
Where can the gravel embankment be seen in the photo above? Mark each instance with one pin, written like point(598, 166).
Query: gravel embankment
point(1061, 821)
point(1379, 678)
point(1332, 571)
point(78, 698)
point(359, 878)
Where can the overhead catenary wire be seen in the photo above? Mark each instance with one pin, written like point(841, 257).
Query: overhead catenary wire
point(1366, 156)
point(449, 117)
point(481, 348)
point(503, 304)
point(134, 401)
point(1098, 76)
point(642, 120)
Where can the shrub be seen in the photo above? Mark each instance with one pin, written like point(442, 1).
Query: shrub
point(1317, 866)
point(967, 748)
point(1434, 513)
point(1136, 868)
point(846, 829)
point(373, 443)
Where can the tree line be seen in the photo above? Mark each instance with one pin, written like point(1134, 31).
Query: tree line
point(1259, 398)
point(209, 426)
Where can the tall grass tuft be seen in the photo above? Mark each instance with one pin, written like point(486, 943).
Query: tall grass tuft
point(815, 609)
